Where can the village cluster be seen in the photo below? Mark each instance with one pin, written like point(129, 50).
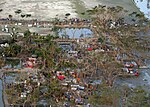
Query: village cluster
point(74, 85)
point(68, 62)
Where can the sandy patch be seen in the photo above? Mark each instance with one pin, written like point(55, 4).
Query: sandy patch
point(39, 9)
point(47, 9)
point(127, 4)
point(90, 3)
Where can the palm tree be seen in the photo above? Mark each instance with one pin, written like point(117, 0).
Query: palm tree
point(10, 16)
point(27, 37)
point(22, 15)
point(10, 51)
point(1, 62)
point(1, 10)
point(35, 96)
point(13, 33)
point(18, 12)
point(49, 52)
point(28, 15)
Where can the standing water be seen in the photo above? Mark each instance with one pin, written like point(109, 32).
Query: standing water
point(144, 6)
point(1, 94)
point(75, 33)
point(144, 78)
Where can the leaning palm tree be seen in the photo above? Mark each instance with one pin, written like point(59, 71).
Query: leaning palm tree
point(17, 12)
point(49, 52)
point(1, 62)
point(23, 15)
point(9, 51)
point(27, 37)
point(1, 10)
point(10, 16)
point(13, 33)
point(110, 69)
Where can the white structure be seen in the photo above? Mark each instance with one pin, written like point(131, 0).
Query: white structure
point(4, 45)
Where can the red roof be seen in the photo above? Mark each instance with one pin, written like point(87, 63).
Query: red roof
point(61, 77)
point(90, 49)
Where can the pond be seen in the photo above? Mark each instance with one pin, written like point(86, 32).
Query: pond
point(75, 33)
point(144, 6)
point(42, 103)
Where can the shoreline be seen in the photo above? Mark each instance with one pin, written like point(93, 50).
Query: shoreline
point(137, 7)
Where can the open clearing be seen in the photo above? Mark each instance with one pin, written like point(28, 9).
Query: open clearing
point(39, 9)
point(126, 4)
point(47, 9)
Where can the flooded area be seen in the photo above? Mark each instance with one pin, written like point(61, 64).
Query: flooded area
point(10, 78)
point(144, 6)
point(75, 33)
point(1, 98)
point(43, 73)
point(143, 80)
point(144, 77)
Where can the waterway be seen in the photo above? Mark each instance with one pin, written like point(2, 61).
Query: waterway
point(144, 6)
point(1, 91)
